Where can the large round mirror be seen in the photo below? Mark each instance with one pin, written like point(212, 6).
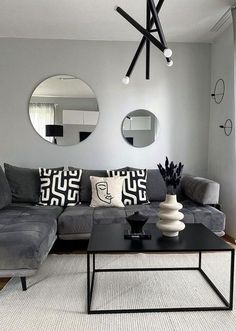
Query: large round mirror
point(63, 110)
point(140, 127)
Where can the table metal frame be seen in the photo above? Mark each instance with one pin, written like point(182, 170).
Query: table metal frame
point(228, 304)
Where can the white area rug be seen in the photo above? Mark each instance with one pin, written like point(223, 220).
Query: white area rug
point(56, 295)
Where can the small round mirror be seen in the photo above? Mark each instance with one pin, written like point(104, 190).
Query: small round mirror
point(140, 127)
point(63, 110)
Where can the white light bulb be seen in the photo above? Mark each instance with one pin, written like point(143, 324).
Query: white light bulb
point(167, 52)
point(125, 80)
point(170, 64)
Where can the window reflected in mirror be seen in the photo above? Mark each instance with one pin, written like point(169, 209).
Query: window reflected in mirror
point(140, 127)
point(63, 110)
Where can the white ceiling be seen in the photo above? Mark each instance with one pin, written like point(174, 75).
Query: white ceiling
point(182, 20)
point(63, 86)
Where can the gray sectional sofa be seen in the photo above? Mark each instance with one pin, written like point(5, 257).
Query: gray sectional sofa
point(28, 231)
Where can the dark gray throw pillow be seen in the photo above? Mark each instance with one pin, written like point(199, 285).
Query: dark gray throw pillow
point(24, 183)
point(156, 188)
point(5, 191)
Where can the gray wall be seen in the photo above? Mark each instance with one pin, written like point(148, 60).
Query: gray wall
point(222, 162)
point(178, 96)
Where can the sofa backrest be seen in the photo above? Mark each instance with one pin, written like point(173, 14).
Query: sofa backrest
point(156, 188)
point(5, 191)
point(24, 183)
point(85, 184)
point(200, 190)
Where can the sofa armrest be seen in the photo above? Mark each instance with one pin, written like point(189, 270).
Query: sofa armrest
point(201, 190)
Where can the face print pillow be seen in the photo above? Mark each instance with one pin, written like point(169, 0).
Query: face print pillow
point(106, 191)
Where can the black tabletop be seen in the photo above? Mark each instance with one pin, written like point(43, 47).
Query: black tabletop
point(195, 237)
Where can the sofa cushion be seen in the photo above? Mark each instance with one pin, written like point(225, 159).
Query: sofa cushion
point(106, 192)
point(59, 188)
point(135, 185)
point(5, 191)
point(156, 188)
point(24, 183)
point(19, 209)
point(26, 235)
point(85, 184)
point(211, 217)
point(200, 190)
point(111, 215)
point(146, 210)
point(76, 220)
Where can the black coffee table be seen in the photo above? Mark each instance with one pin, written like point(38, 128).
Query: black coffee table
point(108, 239)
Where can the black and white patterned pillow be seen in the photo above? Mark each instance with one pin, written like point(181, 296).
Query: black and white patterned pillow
point(135, 186)
point(59, 188)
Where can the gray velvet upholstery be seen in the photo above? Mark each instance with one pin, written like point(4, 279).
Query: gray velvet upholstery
point(5, 191)
point(211, 217)
point(156, 189)
point(27, 231)
point(106, 215)
point(24, 183)
point(201, 190)
point(76, 220)
point(146, 210)
point(26, 235)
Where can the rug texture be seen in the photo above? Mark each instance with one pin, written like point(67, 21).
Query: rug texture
point(56, 295)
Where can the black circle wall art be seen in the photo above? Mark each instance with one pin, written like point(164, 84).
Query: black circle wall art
point(228, 127)
point(219, 91)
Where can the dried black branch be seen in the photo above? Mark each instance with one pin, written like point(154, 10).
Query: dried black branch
point(171, 175)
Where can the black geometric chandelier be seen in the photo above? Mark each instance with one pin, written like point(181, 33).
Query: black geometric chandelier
point(152, 19)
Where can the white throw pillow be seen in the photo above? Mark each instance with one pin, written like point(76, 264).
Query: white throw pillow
point(106, 192)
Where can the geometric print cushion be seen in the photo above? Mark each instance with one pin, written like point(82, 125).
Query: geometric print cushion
point(59, 188)
point(135, 186)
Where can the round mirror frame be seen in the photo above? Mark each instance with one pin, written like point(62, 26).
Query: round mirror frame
point(58, 128)
point(146, 124)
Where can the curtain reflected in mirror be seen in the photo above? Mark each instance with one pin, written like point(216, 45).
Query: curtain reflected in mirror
point(140, 128)
point(63, 110)
point(42, 114)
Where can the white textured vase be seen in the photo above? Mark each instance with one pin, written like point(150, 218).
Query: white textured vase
point(169, 217)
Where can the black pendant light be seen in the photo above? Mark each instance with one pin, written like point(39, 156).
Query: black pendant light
point(148, 38)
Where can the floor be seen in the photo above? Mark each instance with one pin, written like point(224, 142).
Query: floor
point(80, 247)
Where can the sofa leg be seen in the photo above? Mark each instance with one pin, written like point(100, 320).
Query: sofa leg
point(23, 283)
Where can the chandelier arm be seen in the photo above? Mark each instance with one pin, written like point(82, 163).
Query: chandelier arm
point(135, 58)
point(158, 24)
point(142, 42)
point(141, 29)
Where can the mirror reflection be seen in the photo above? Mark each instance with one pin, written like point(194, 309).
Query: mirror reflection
point(63, 110)
point(139, 128)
